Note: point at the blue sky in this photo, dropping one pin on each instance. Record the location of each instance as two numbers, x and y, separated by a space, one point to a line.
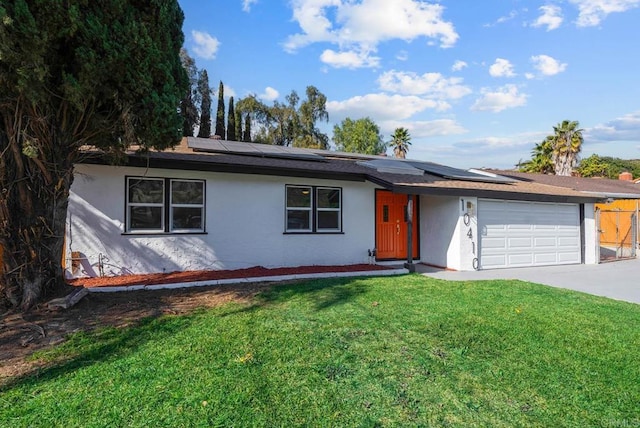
477 84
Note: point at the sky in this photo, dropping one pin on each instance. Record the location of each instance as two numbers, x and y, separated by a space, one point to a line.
476 83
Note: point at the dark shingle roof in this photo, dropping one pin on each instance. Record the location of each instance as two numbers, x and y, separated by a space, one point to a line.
603 186
342 166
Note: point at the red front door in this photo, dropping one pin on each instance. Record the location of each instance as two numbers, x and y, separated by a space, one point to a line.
391 225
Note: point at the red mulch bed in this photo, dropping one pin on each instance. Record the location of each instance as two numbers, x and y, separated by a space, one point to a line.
209 275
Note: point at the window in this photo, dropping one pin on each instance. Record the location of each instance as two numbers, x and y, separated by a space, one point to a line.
313 209
160 205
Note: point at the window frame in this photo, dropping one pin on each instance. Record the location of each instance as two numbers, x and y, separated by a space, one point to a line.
167 205
313 209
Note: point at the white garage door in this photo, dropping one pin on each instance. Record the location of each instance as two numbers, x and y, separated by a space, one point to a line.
514 234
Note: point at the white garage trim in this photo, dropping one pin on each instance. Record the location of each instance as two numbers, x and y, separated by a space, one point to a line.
518 234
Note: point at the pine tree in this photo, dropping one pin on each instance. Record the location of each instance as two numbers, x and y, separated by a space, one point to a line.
231 122
220 114
205 106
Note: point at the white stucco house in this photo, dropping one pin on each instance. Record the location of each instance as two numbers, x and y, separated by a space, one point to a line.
214 204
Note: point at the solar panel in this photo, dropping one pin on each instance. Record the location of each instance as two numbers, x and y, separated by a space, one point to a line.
252 149
458 174
392 166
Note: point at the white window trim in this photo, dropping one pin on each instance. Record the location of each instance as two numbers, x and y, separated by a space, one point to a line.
166 207
338 210
172 205
313 210
141 204
309 209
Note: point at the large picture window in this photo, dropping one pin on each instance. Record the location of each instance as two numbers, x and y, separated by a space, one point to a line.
159 205
313 209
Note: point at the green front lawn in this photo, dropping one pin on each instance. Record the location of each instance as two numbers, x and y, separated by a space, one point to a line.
393 351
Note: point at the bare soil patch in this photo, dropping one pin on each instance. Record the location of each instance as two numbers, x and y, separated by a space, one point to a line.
21 334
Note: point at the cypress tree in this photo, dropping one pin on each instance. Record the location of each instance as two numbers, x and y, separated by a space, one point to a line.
205 106
246 134
238 126
220 114
231 122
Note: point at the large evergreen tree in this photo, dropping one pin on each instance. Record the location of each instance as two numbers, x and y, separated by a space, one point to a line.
205 106
72 74
220 113
231 122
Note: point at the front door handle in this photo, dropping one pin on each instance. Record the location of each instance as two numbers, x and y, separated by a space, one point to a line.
398 228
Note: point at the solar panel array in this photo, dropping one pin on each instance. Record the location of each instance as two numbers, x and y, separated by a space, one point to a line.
252 149
380 163
458 174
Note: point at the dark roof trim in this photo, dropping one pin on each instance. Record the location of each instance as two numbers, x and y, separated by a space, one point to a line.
191 165
494 194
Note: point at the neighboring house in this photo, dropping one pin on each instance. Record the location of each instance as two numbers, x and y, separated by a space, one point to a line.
616 216
215 204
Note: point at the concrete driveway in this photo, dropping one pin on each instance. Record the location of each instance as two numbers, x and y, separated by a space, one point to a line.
618 280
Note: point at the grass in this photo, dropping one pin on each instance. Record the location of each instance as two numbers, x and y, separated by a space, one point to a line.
401 351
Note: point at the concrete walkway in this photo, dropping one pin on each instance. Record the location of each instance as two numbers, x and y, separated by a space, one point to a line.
618 280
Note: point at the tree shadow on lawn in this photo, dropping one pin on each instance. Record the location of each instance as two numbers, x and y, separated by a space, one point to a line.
113 342
321 293
107 344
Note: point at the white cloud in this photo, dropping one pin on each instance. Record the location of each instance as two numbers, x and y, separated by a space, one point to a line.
625 128
551 17
501 68
402 56
206 46
425 128
592 12
501 99
529 76
246 4
547 66
429 84
503 19
381 107
349 59
362 25
269 94
459 65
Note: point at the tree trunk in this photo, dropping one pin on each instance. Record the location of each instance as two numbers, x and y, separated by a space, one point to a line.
36 174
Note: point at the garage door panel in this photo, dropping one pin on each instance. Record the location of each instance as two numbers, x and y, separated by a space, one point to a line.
520 243
546 242
568 242
495 260
520 259
494 243
546 258
522 234
569 257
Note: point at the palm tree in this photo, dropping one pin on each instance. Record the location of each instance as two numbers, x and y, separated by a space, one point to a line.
541 159
567 144
400 142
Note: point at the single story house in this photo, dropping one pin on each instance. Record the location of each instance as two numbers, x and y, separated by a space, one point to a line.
616 217
215 204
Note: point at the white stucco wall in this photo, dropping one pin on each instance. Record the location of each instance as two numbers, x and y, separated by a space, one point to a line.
245 221
439 231
590 235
